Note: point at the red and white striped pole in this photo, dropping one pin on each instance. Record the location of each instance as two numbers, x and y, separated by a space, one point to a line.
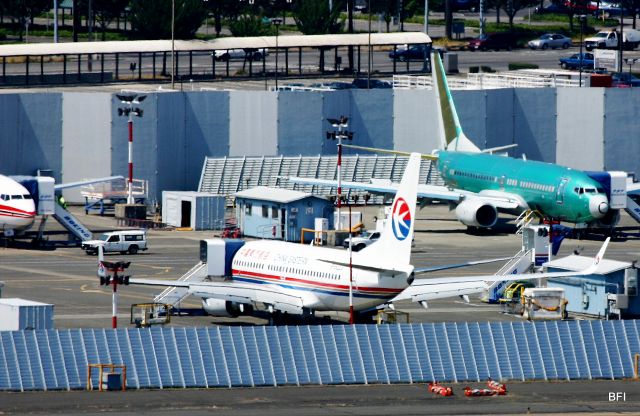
130 182
339 226
114 301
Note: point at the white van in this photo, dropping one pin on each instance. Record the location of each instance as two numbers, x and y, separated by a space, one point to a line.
123 241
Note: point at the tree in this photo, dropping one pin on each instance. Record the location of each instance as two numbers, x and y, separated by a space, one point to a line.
386 8
314 18
106 11
249 25
151 19
23 11
511 7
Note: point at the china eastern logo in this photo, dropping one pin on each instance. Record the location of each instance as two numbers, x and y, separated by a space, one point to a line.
401 219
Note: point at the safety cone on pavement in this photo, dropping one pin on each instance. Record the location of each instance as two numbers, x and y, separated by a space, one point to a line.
438 389
498 387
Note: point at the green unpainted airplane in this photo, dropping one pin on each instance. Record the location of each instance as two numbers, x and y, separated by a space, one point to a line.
481 183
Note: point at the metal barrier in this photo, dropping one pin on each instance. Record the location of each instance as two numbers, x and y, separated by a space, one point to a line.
480 81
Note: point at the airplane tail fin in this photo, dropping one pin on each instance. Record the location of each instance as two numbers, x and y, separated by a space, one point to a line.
393 248
451 135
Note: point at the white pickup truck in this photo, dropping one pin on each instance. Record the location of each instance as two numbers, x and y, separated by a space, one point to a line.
360 242
608 39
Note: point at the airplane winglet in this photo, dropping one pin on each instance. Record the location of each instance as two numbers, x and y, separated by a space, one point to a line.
596 260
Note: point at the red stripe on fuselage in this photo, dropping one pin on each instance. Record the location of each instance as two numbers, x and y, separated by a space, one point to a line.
313 283
17 210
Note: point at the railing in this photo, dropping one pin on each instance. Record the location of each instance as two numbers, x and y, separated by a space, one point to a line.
515 79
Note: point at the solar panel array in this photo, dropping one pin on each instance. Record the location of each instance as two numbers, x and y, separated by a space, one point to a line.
298 355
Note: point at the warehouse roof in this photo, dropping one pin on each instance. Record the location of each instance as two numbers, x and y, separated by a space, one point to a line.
577 263
147 46
283 196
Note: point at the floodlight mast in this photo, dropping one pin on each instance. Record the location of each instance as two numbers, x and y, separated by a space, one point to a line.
340 124
129 100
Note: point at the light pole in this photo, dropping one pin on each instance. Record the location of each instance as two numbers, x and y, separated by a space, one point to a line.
582 19
55 21
339 124
129 111
173 42
369 49
276 22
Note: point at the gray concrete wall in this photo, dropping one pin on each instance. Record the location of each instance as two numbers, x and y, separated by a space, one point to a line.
31 133
80 134
580 127
253 123
86 138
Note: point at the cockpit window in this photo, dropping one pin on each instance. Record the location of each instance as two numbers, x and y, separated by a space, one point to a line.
590 190
16 196
5 197
579 191
27 196
601 190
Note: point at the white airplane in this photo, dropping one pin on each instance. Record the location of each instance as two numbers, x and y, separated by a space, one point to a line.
17 208
299 279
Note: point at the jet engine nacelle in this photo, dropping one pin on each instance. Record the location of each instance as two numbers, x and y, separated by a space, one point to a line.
476 213
225 308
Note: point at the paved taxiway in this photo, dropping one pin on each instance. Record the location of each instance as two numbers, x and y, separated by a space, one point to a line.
67 278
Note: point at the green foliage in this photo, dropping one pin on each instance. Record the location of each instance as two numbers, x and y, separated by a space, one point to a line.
563 18
3 34
151 19
514 66
249 25
313 17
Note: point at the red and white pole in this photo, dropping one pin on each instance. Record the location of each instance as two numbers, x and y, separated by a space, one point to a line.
114 302
130 182
351 317
339 226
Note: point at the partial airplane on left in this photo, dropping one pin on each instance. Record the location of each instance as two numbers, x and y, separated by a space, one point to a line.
17 207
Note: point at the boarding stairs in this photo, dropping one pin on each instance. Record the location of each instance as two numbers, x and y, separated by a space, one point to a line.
520 263
633 208
174 295
525 218
72 224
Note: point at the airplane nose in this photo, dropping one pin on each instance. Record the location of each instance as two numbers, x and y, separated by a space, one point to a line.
598 206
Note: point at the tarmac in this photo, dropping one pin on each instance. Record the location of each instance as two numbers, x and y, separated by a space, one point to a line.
66 277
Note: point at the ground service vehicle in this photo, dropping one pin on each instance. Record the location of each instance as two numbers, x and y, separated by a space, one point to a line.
363 240
130 241
575 61
608 39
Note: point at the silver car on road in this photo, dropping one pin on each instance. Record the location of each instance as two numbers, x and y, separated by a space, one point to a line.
550 40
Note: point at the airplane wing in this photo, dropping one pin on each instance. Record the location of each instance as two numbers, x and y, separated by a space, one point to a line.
62 186
426 289
234 292
381 186
458 265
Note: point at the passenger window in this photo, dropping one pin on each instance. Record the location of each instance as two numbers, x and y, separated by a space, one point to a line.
113 239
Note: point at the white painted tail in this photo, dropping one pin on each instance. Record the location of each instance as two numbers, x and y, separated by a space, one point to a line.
393 248
451 135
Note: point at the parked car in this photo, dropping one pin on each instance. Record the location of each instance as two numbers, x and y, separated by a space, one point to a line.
413 52
624 79
497 41
575 61
365 239
550 40
373 83
118 241
249 54
334 85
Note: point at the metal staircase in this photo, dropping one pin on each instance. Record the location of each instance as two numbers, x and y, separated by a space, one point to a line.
174 295
520 263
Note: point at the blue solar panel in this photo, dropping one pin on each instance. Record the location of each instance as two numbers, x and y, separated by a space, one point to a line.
241 356
368 362
209 369
298 351
287 355
586 332
434 352
457 358
344 355
545 352
615 348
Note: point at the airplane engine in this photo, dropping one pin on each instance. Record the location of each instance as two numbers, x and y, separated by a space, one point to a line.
225 308
476 213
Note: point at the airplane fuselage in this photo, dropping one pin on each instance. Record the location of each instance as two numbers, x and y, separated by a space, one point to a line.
555 191
17 208
311 273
